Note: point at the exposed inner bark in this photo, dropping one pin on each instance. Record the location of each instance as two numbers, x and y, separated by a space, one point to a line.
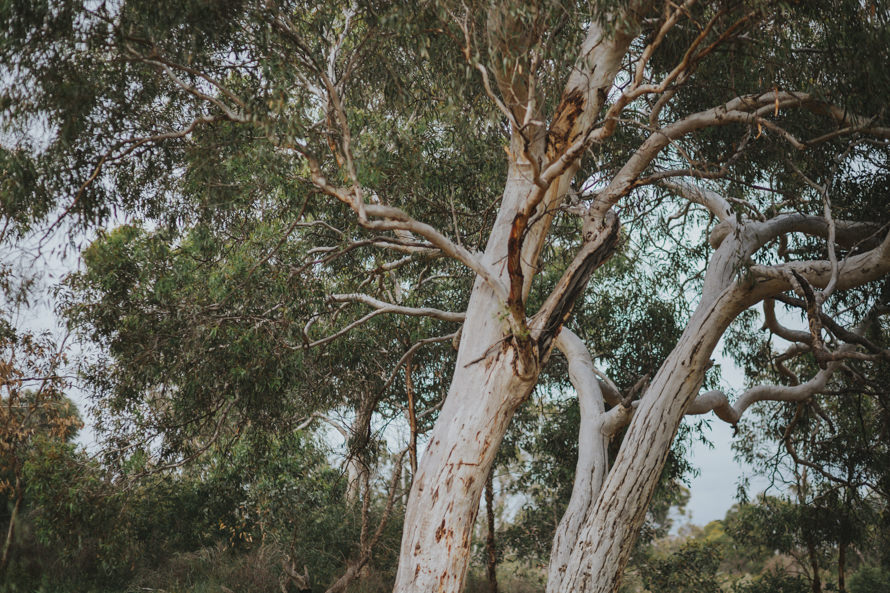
558 307
491 564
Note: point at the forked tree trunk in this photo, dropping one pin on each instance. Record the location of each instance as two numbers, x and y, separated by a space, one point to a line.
604 543
490 380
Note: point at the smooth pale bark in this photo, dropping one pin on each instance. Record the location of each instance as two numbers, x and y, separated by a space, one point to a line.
582 100
487 387
605 541
445 495
493 374
592 465
604 544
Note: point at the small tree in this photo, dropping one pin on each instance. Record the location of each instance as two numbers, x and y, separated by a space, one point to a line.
32 408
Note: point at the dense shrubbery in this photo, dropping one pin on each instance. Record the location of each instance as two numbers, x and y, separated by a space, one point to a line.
232 519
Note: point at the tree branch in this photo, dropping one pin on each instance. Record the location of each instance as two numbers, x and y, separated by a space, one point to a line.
714 202
384 307
599 244
857 269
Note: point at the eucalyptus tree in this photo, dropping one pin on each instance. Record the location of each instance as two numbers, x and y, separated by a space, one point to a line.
485 146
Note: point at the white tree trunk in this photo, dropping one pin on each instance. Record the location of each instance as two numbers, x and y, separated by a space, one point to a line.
605 542
491 379
485 391
592 465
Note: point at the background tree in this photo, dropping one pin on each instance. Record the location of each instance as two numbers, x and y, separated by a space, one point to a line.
32 409
831 453
273 503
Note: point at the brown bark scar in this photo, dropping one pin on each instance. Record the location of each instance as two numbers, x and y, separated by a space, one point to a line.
570 108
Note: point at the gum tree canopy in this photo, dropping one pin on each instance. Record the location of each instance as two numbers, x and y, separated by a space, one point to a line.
471 166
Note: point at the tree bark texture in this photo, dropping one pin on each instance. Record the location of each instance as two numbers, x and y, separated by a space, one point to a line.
814 565
842 567
488 385
501 350
490 545
605 540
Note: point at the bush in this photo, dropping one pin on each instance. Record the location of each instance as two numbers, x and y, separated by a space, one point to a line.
869 579
773 582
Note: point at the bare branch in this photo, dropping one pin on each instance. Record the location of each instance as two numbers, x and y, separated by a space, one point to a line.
749 110
772 324
581 365
398 219
714 202
385 307
847 234
717 401
410 352
833 326
857 270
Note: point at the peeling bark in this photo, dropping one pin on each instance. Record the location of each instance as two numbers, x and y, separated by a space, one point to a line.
488 385
490 546
496 371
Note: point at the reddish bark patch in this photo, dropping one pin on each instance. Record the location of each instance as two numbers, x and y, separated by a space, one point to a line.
570 108
514 265
440 531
